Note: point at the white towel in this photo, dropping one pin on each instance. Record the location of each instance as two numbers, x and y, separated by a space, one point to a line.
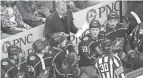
42 61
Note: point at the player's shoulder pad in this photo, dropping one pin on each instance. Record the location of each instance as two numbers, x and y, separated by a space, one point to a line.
6 65
5 62
86 37
87 43
69 43
32 56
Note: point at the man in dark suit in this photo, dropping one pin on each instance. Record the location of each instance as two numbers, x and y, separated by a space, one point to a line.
60 21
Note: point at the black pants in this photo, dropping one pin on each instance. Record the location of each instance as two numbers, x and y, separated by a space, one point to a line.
33 23
10 31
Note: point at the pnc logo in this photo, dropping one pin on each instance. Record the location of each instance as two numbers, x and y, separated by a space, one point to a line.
91 14
5 46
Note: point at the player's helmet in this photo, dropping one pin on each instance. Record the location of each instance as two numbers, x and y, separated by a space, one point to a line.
57 38
13 50
39 45
107 45
113 15
94 24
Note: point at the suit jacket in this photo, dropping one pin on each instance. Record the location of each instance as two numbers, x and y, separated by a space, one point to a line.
54 24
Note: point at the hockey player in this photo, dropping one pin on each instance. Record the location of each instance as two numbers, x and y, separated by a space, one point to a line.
39 62
88 48
116 32
137 44
95 33
113 28
64 57
136 37
15 65
108 65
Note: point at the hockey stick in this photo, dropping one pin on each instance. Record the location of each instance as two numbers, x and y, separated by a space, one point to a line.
136 29
136 17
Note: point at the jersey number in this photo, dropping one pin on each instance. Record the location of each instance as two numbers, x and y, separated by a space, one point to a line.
104 67
84 49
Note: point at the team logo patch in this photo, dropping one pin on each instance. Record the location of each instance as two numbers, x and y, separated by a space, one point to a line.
97 48
5 63
85 38
32 58
91 14
50 52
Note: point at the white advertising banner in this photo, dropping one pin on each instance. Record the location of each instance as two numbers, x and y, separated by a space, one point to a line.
23 40
98 12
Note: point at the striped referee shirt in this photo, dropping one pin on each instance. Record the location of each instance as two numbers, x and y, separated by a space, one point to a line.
109 66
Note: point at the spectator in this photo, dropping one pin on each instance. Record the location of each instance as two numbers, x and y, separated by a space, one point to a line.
80 4
11 20
27 14
71 6
60 21
85 4
47 3
42 8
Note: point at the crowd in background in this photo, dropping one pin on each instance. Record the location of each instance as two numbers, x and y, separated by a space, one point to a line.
112 49
19 16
